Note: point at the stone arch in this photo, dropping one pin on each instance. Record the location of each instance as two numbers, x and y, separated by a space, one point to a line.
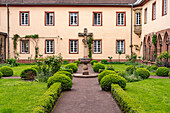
166 42
144 48
149 44
159 44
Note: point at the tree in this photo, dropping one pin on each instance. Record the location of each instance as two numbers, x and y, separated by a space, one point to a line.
119 52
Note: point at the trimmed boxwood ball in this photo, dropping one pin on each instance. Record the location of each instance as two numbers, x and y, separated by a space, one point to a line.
36 68
28 73
98 66
6 71
93 61
66 73
68 70
1 74
72 66
66 82
112 79
143 73
162 71
130 69
104 73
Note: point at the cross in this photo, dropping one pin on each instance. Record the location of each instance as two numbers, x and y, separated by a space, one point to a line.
85 40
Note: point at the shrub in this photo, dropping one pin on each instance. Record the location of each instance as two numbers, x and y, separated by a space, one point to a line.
12 62
93 61
98 66
1 74
104 61
6 71
78 62
143 73
127 104
169 74
130 69
46 102
28 73
104 73
66 73
122 74
153 67
162 71
36 68
101 70
68 70
66 62
109 67
66 82
112 79
72 66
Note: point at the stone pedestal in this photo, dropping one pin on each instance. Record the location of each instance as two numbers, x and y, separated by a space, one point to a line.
85 61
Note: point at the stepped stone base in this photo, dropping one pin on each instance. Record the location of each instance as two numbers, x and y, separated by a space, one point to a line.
85 76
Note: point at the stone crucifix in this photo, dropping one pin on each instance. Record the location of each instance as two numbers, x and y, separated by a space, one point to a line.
85 40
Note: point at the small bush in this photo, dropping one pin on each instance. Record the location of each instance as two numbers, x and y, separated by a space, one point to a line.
153 67
169 74
143 73
98 66
72 66
77 62
127 104
112 79
110 67
93 61
36 68
66 82
130 69
28 73
68 70
6 71
66 62
122 73
12 62
101 70
46 102
162 71
1 74
66 73
104 73
104 61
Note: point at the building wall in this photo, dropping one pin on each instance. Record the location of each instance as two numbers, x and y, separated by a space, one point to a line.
108 32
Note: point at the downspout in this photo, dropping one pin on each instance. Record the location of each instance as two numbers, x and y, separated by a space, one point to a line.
8 26
131 32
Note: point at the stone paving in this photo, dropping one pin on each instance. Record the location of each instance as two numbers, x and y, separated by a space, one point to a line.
86 96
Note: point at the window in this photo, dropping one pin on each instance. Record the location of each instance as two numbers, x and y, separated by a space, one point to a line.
24 46
97 18
137 18
164 7
49 18
73 46
146 13
97 46
121 19
73 19
120 46
154 11
24 18
49 46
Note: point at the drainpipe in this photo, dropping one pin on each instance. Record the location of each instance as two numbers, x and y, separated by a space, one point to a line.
8 27
131 31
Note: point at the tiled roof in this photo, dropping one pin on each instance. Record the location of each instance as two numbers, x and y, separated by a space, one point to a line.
68 1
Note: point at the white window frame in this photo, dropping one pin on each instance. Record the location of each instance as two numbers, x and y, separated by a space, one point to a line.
98 19
138 19
73 46
154 11
50 19
23 46
24 18
49 46
97 46
121 19
164 7
73 19
120 46
146 14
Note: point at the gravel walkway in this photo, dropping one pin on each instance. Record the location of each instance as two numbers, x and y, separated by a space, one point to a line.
86 96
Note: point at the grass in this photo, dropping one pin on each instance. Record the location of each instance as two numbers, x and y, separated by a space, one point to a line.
118 67
18 96
17 70
152 94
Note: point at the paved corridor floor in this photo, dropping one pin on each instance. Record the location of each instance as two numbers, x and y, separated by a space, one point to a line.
86 96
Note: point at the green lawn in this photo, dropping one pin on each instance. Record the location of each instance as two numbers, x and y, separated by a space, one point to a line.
118 67
17 70
152 94
18 96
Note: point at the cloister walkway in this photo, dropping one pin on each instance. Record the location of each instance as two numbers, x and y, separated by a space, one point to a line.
86 96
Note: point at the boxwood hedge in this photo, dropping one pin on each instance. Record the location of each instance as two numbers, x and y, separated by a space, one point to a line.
104 73
6 71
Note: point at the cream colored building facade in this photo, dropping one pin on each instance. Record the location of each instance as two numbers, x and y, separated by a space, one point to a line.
61 35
